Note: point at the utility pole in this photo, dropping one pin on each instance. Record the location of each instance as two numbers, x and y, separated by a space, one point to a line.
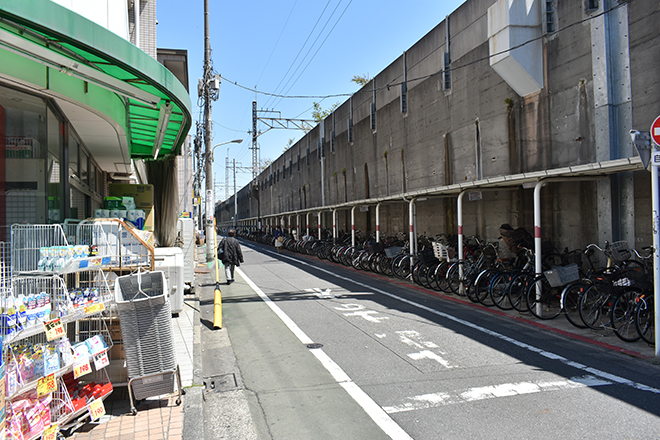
208 89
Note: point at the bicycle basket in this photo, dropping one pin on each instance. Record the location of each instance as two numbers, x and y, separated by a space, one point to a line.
620 251
440 251
393 251
427 257
562 275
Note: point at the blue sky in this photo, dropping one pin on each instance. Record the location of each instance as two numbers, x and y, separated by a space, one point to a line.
288 47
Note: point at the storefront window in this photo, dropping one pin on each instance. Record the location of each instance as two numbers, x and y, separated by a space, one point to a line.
74 172
84 161
23 158
53 171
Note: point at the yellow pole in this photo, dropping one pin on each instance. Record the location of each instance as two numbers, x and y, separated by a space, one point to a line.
217 300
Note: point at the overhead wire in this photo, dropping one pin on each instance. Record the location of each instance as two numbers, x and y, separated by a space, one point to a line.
424 77
310 49
277 42
301 48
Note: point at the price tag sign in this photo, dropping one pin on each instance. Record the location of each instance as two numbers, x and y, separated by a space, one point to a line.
46 385
101 360
96 409
54 329
51 432
81 369
96 308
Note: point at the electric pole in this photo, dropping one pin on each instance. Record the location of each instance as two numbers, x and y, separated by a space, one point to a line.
208 90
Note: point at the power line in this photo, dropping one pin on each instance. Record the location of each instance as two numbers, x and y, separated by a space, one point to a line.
310 49
278 40
301 48
452 69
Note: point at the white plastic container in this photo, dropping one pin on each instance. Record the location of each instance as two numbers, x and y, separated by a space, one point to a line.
170 261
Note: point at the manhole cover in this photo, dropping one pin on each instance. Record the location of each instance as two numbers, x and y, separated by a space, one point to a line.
224 382
314 345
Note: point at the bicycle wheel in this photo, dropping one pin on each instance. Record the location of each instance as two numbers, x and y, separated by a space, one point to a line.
622 316
385 266
453 277
498 290
518 289
543 300
430 276
440 276
401 266
594 308
645 319
570 302
422 276
481 289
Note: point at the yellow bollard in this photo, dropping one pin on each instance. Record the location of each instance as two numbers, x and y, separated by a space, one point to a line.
217 300
217 307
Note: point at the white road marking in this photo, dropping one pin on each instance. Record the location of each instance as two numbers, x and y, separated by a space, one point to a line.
434 400
321 293
380 417
409 337
428 354
523 345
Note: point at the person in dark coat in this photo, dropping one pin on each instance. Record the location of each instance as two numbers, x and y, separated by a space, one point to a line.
231 255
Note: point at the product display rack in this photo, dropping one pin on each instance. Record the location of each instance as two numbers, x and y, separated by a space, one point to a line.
45 279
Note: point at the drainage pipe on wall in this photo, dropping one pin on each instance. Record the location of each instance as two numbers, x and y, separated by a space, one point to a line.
319 217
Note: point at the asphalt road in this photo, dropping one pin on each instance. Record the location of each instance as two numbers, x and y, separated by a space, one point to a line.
326 352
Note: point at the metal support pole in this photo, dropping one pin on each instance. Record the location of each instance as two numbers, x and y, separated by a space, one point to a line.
655 194
353 226
307 222
411 233
538 268
320 216
334 226
378 223
235 197
459 208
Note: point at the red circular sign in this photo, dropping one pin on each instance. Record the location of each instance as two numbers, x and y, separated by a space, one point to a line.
655 131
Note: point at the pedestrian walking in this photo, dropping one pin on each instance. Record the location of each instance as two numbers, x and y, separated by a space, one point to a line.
230 254
279 239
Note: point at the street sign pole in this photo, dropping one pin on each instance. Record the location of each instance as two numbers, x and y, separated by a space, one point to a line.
655 194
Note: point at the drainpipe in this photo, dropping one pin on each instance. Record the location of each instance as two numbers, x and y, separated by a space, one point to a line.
353 226
319 217
378 223
298 225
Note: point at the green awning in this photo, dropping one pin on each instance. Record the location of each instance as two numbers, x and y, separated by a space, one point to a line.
157 104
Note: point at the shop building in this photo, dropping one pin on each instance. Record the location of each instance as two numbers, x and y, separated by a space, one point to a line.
83 103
